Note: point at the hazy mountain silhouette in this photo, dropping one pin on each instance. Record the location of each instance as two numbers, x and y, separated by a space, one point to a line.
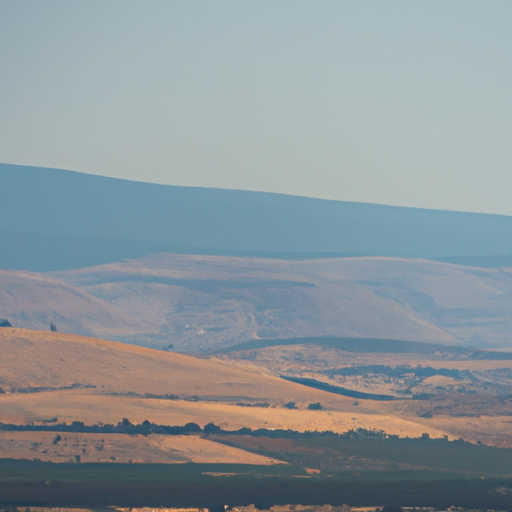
55 219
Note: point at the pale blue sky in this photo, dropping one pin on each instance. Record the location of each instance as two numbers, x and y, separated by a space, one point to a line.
395 102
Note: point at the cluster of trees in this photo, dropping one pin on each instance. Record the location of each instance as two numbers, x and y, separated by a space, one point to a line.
76 385
399 371
123 427
146 427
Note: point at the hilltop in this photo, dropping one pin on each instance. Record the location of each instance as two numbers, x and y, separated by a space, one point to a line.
57 219
47 361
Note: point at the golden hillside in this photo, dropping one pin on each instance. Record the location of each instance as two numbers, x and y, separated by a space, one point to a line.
41 373
43 359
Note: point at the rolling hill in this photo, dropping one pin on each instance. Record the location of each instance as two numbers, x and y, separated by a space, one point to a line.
48 377
56 219
36 361
34 300
202 303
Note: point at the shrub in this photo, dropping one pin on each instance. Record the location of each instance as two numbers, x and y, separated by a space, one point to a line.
211 428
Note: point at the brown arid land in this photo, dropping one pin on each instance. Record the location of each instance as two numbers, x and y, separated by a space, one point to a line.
84 447
443 372
464 397
90 407
52 377
198 303
46 361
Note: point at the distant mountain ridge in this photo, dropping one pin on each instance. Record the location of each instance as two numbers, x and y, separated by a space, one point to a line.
55 219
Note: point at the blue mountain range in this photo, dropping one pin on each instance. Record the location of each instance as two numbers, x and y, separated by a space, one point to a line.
53 219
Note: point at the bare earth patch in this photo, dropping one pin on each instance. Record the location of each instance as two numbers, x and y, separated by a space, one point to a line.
80 447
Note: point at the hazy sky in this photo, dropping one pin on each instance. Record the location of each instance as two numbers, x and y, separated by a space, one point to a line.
395 102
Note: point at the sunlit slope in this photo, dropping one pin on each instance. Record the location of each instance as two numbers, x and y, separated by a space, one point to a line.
209 302
34 301
47 375
89 407
204 302
215 301
57 219
35 359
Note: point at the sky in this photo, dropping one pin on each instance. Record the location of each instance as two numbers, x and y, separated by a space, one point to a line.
399 102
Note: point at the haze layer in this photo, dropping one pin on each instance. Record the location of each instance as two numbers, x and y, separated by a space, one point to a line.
57 219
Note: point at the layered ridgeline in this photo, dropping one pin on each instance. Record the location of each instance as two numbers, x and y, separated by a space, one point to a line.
200 302
55 219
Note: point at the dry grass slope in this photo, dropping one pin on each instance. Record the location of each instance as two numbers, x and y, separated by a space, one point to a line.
42 359
122 448
212 389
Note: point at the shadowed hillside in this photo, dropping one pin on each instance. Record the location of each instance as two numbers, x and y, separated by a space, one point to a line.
205 301
199 303
56 219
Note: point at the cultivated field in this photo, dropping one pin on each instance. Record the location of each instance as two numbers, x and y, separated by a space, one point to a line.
83 447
